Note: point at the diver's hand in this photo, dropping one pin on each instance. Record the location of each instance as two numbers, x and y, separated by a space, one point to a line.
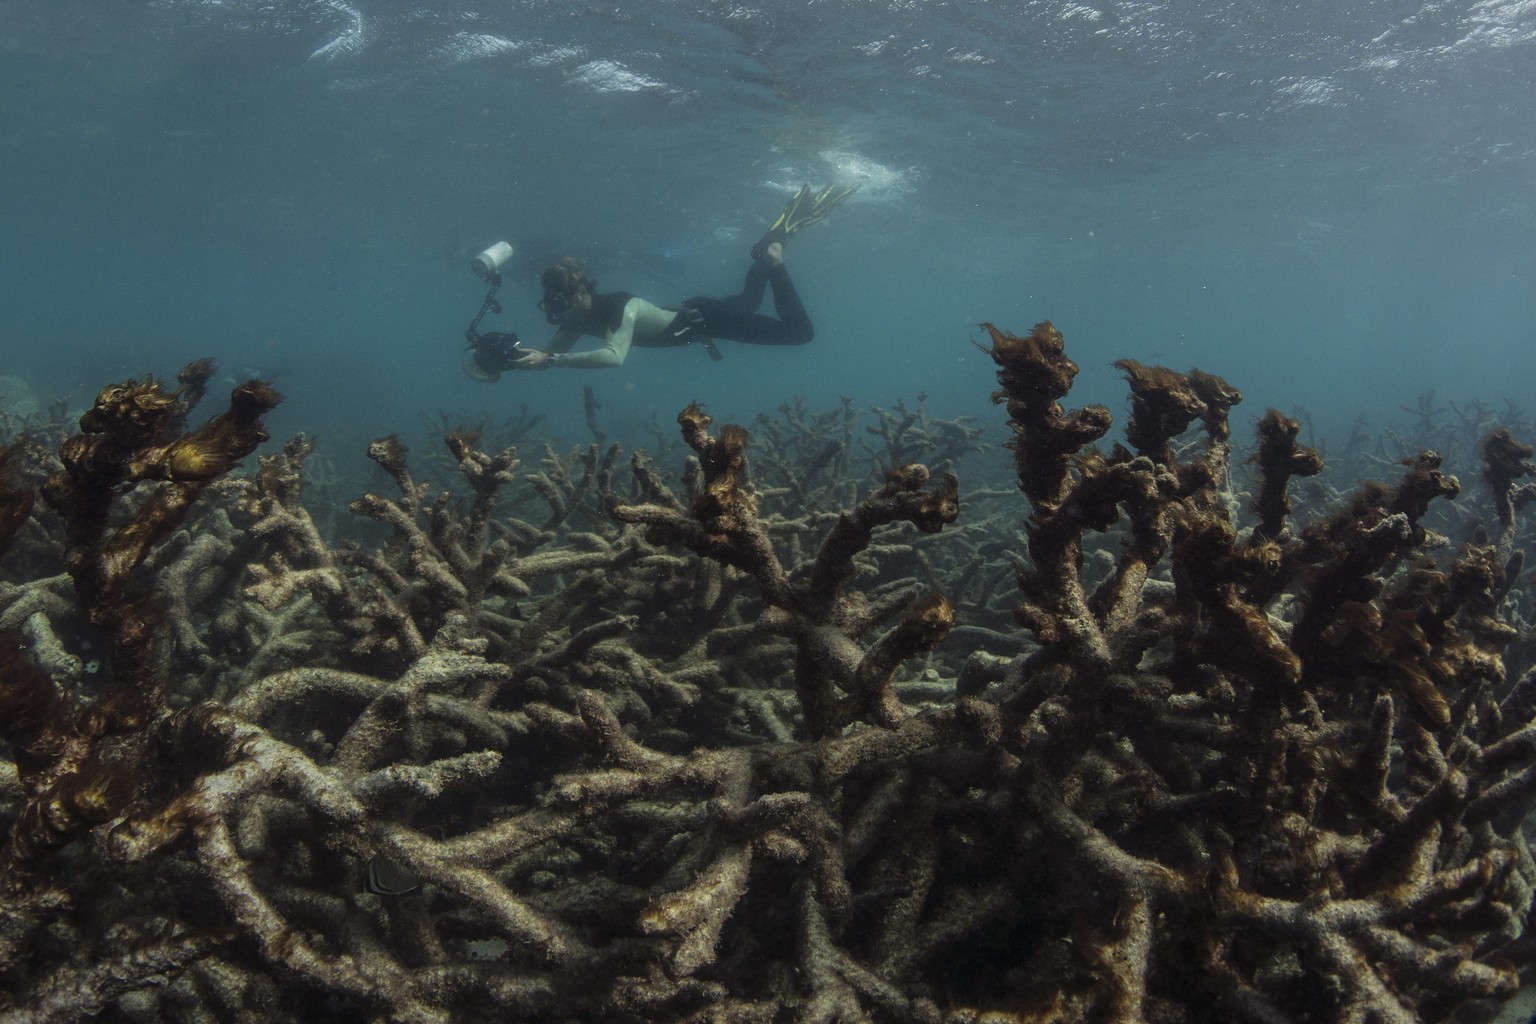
531 359
687 321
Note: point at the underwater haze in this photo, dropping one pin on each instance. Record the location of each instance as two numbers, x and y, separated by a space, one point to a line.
553 697
1331 205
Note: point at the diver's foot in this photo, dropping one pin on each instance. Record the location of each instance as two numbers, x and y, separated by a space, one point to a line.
773 255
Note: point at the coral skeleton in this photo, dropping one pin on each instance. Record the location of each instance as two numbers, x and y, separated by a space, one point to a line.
1165 739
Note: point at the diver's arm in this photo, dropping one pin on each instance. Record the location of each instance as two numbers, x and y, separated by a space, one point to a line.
613 351
639 318
563 340
543 359
557 354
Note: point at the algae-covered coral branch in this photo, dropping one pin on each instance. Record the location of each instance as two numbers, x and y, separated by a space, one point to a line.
124 441
15 497
72 780
838 682
82 762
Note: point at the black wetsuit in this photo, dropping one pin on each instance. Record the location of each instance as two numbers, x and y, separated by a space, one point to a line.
624 320
736 318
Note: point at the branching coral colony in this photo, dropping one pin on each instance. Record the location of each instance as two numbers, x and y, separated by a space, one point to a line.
589 750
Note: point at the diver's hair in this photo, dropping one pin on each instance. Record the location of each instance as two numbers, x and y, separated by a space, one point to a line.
567 278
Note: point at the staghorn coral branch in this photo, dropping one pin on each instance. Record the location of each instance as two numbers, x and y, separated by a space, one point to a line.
76 993
282 945
394 782
1400 859
837 683
75 778
1279 459
15 497
902 499
261 762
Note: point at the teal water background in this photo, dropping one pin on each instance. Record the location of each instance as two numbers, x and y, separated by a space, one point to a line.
1332 205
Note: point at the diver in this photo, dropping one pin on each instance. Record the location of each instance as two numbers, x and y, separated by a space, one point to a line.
573 305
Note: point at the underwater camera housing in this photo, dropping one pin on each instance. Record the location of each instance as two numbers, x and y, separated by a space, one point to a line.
489 263
489 355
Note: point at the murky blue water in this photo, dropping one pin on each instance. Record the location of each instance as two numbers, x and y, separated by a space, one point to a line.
1332 205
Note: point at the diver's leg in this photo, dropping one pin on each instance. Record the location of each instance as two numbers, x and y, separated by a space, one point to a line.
736 318
786 302
752 289
726 319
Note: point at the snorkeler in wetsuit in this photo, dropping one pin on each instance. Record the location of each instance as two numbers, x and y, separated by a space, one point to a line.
572 304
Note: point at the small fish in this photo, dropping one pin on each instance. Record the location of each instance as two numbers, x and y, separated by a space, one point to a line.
389 878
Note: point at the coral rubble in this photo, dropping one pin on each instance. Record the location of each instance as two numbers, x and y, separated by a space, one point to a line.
767 742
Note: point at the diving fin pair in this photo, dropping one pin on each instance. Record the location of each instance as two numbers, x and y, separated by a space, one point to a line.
805 208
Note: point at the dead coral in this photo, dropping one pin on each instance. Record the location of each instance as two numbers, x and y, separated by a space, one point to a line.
656 765
1279 459
15 497
125 442
441 558
81 762
838 680
1254 795
1506 460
